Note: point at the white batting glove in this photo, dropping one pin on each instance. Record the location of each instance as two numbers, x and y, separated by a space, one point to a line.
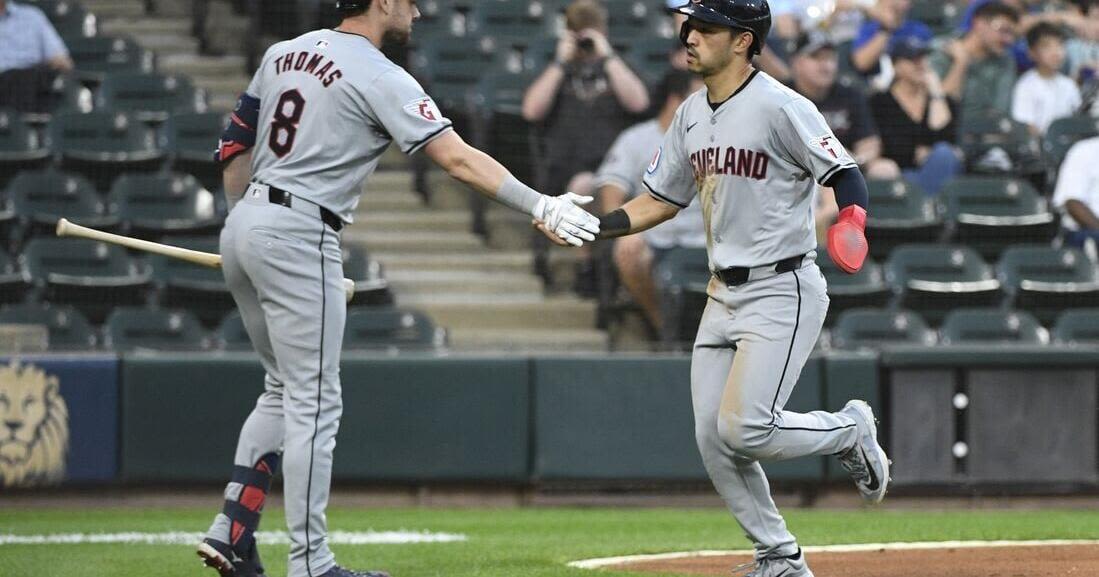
563 216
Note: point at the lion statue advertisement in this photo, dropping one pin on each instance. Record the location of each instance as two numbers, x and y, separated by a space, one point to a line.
34 427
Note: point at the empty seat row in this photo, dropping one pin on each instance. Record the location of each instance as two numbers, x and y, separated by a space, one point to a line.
159 329
874 328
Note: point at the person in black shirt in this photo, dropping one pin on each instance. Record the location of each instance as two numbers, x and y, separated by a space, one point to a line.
916 118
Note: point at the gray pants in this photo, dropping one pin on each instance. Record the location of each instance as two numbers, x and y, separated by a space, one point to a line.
285 271
752 343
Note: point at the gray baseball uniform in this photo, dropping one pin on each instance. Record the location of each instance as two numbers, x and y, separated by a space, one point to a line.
754 160
329 105
624 167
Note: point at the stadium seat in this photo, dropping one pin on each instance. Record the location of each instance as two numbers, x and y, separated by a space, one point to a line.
632 19
129 329
508 135
371 287
97 56
69 18
995 144
900 213
190 139
1062 134
1045 280
867 288
92 276
184 285
40 198
102 145
69 94
681 279
934 279
940 15
453 69
504 21
992 326
68 329
872 328
649 57
391 329
231 334
20 146
990 214
1077 326
153 204
149 97
14 280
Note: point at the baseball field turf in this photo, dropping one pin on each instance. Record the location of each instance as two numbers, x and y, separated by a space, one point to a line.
498 542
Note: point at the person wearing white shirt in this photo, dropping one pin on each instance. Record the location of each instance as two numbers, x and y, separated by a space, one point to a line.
1077 193
1043 94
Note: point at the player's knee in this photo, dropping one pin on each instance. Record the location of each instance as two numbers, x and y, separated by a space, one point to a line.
744 437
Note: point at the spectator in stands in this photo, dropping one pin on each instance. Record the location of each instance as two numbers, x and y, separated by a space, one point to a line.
1043 94
815 65
1077 193
582 100
31 54
977 69
1083 49
841 19
916 118
619 179
884 21
1031 13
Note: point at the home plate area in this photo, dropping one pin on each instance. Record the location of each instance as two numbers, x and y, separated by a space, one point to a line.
953 559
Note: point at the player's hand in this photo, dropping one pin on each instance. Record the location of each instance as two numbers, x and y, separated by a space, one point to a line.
601 46
847 239
541 226
564 216
566 47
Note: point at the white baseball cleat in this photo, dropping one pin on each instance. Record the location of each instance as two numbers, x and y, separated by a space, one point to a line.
866 461
792 566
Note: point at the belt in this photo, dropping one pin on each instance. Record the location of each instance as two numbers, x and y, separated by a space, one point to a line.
738 275
279 196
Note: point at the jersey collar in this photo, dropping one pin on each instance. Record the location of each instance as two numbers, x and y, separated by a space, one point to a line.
715 105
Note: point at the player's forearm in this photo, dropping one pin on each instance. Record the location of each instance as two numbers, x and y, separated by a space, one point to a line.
1082 214
628 88
235 177
539 98
637 215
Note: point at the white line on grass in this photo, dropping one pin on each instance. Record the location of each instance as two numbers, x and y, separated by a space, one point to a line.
264 537
857 548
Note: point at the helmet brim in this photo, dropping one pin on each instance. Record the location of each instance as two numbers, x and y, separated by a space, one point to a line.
705 14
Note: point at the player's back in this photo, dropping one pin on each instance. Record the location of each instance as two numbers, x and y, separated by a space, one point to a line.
320 131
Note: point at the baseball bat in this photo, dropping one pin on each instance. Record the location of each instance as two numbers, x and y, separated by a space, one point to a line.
66 228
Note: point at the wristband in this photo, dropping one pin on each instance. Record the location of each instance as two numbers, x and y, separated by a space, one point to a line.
614 224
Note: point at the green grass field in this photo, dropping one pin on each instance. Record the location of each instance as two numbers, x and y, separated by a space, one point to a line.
507 542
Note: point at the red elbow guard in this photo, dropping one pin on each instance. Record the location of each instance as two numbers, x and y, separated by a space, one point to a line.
847 239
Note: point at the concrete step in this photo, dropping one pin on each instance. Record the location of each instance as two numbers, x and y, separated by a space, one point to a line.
528 340
438 282
235 83
393 159
145 25
381 201
518 262
168 43
415 220
106 9
389 181
207 66
421 242
181 8
497 312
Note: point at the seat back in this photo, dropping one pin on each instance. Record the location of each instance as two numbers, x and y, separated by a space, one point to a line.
163 202
1042 264
168 270
870 277
68 328
1077 326
936 263
1065 132
1019 152
987 326
975 196
44 196
387 328
18 140
189 135
898 201
102 54
149 96
73 258
861 328
511 20
102 136
69 18
129 328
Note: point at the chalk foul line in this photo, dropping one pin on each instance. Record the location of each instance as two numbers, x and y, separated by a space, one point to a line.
264 537
856 548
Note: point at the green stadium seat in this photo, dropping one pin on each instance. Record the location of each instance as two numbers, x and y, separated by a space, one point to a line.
996 144
504 21
14 280
102 145
633 18
1077 326
69 94
993 213
866 288
20 146
1046 280
391 329
681 279
130 329
191 139
452 70
97 56
154 204
507 135
150 97
92 276
69 18
40 198
184 285
68 329
1062 134
935 279
992 326
371 287
900 213
231 334
872 328
941 16
649 57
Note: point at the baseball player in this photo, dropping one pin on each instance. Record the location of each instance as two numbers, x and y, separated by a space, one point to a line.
320 111
753 152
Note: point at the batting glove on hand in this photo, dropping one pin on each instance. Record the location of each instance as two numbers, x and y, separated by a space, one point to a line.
563 216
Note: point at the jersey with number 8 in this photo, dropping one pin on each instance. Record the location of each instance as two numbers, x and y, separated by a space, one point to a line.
330 104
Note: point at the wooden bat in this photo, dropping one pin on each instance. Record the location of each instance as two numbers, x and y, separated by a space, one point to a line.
66 228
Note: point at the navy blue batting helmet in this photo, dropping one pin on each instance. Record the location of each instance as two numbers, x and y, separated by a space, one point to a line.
749 15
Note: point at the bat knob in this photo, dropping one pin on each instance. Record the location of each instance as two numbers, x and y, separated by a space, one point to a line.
62 226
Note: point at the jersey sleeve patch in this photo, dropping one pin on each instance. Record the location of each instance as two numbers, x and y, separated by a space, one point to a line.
655 162
829 144
424 108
